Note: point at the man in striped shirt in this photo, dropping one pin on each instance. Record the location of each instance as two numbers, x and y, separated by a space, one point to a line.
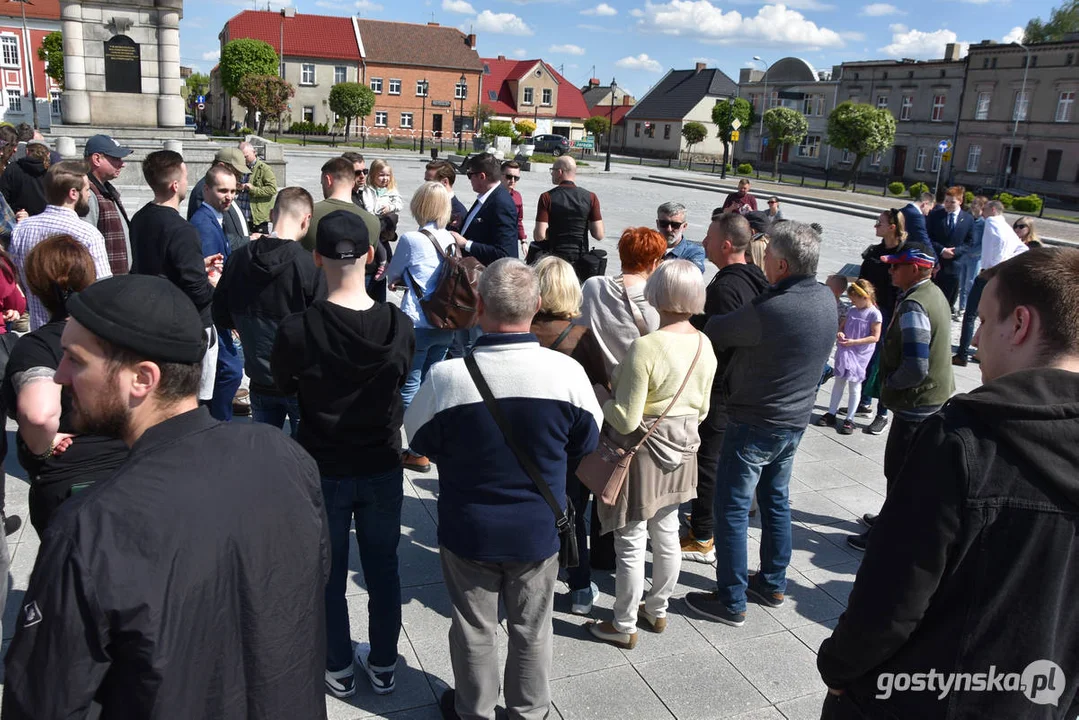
67 192
916 359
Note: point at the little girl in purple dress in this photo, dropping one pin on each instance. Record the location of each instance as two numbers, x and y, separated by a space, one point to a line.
854 349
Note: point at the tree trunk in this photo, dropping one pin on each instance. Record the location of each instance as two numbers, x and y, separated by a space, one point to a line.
775 164
262 124
853 172
348 126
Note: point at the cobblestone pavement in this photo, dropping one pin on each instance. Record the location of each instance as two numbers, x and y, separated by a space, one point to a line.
696 669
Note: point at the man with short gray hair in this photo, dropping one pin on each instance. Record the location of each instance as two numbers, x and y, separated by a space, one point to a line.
780 341
671 223
496 533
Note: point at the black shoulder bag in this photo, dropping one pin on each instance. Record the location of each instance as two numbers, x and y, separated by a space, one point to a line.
564 521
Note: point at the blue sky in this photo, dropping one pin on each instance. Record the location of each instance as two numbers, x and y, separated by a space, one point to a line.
636 41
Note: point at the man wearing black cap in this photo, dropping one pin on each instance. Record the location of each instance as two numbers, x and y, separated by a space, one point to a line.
166 591
347 357
106 160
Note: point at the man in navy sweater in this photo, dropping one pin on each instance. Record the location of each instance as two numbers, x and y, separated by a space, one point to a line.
494 528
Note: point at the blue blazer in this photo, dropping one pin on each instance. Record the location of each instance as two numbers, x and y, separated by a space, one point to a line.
493 231
961 237
210 232
914 222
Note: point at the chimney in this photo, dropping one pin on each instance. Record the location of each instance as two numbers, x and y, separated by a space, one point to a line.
288 11
626 100
593 82
701 66
951 51
470 40
432 24
501 57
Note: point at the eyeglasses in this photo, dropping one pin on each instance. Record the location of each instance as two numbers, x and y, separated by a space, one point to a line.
470 173
362 173
669 223
772 202
512 178
1020 227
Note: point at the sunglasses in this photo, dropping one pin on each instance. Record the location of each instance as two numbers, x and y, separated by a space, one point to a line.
772 202
1020 227
362 173
512 178
669 223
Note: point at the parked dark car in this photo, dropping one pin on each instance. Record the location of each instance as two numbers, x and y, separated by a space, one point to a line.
551 144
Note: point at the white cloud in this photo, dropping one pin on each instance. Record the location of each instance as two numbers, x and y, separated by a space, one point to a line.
501 23
1015 35
567 49
603 10
852 35
214 55
458 6
920 45
641 62
775 25
366 6
880 10
519 53
599 28
791 4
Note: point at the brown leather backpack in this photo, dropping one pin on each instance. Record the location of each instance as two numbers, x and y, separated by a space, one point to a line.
454 303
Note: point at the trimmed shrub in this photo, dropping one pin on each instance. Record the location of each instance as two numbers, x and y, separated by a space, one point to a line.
245 131
745 169
1006 199
917 189
1028 204
896 188
968 198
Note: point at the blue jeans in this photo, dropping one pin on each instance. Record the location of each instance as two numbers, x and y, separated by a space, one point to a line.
753 455
969 267
966 333
374 501
230 373
274 409
431 347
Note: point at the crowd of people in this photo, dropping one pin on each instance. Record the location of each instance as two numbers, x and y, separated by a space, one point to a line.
200 565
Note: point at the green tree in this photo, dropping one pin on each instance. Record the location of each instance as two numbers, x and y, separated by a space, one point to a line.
1062 20
693 132
351 100
527 127
51 52
785 127
195 85
599 125
860 129
243 57
267 95
723 115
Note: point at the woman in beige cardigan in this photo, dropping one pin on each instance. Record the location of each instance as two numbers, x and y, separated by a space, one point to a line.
664 472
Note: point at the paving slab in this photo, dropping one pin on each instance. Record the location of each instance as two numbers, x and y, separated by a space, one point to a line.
618 692
780 666
701 686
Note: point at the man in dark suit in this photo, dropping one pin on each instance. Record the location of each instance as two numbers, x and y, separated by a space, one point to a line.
489 231
914 217
951 230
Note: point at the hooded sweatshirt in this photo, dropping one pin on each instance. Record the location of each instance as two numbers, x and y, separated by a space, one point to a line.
972 562
263 283
348 367
23 185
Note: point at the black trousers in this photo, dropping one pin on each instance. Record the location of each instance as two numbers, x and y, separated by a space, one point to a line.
702 519
900 438
948 282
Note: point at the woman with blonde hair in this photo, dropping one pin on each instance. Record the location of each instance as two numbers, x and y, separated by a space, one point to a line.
662 386
1024 228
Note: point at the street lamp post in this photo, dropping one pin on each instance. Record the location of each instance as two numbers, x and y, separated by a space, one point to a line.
764 106
464 91
610 128
423 115
29 58
1015 125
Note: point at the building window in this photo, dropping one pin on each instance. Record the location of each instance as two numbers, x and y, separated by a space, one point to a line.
636 129
919 160
650 129
406 120
395 87
755 101
421 88
547 95
528 96
973 157
810 147
907 108
308 113
993 64
492 95
460 91
55 109
307 74
882 102
14 100
985 63
381 117
773 99
1019 108
982 111
938 108
376 85
875 159
11 49
935 165
1064 106
667 131
813 106
846 157
340 74
1068 58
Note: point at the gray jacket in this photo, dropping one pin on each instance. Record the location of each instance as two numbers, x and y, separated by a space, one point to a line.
781 342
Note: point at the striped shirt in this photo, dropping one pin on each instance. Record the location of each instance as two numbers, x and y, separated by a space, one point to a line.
916 332
55 220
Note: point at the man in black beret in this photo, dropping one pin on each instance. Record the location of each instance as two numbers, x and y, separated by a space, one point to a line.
171 589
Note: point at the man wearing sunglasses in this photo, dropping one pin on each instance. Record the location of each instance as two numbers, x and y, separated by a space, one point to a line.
671 223
362 193
511 177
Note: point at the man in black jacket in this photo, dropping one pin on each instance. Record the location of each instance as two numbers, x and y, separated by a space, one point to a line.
187 585
951 231
166 245
736 283
489 230
566 215
264 282
964 606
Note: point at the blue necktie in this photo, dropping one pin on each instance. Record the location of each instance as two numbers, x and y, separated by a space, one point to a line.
951 222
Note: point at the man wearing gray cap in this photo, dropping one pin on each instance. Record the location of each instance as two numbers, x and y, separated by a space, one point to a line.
105 159
164 592
232 222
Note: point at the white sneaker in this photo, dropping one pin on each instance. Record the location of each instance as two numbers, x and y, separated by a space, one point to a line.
381 678
341 683
581 600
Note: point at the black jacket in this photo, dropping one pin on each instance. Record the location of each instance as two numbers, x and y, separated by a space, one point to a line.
166 245
263 283
876 272
961 237
731 288
493 231
188 585
23 185
972 563
348 367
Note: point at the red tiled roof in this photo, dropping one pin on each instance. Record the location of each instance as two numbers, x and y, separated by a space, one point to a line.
312 36
605 111
570 101
41 9
413 44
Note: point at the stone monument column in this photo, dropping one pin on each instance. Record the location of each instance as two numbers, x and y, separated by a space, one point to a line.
170 106
75 105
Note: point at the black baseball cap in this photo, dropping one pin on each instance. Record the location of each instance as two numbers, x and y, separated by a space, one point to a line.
106 146
342 235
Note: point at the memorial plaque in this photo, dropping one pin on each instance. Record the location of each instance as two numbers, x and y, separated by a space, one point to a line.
123 69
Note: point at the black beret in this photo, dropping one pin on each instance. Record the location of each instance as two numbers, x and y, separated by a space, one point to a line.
145 314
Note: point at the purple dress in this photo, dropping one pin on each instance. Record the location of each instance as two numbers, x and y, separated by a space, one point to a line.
851 362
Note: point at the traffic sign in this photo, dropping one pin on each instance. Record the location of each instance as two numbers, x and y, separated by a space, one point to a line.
944 145
587 143
946 157
735 135
201 99
736 123
201 106
764 142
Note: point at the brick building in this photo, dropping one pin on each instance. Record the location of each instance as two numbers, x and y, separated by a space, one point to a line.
533 90
18 58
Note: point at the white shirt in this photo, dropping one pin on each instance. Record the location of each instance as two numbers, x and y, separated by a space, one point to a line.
476 208
999 242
